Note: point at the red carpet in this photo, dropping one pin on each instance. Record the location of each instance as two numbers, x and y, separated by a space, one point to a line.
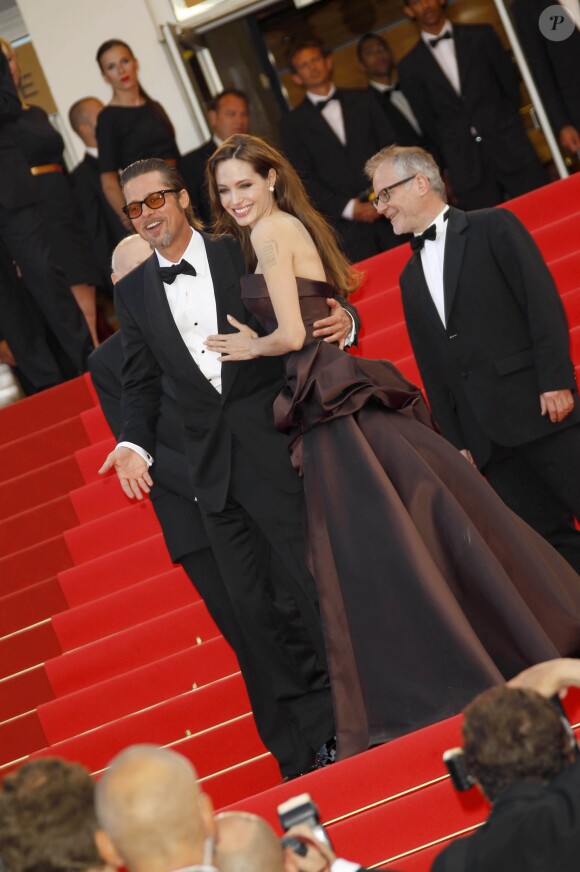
103 642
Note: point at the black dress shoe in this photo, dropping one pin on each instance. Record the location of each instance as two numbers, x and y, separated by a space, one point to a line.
325 755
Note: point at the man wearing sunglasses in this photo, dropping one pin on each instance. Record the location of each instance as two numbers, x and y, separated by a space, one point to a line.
490 336
238 463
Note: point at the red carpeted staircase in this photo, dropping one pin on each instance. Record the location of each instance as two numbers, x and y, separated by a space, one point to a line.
103 642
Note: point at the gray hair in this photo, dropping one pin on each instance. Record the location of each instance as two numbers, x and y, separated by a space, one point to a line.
407 161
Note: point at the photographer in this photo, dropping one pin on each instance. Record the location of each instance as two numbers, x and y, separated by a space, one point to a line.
522 755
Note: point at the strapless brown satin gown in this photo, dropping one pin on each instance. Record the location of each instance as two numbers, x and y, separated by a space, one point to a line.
430 588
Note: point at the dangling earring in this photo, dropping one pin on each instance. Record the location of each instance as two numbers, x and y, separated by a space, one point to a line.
271 189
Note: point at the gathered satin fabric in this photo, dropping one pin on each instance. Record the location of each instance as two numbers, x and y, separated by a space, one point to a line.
430 588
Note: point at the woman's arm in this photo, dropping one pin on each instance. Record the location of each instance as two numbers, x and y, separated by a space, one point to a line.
272 243
113 193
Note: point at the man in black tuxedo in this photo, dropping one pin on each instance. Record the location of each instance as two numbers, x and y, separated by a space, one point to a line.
555 69
377 63
229 113
328 138
464 90
103 226
238 462
490 337
22 232
522 756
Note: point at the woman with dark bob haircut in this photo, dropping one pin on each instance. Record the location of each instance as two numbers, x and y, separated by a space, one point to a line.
430 588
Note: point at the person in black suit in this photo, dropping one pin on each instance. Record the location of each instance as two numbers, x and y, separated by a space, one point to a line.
327 139
239 464
176 507
104 228
464 90
490 336
523 757
229 113
23 234
555 69
376 61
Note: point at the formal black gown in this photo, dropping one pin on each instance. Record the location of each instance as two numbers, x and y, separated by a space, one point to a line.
41 144
129 133
430 588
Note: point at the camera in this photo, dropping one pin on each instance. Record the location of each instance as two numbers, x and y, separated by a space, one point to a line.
454 760
301 810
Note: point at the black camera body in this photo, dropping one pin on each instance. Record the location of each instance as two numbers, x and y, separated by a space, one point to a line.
301 810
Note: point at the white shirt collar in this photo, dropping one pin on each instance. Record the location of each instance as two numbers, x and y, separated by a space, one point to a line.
316 98
427 37
439 221
380 86
194 254
92 150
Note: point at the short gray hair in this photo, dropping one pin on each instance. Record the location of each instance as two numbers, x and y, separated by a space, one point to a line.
407 161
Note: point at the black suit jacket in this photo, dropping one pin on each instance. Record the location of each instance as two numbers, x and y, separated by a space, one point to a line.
17 188
104 228
153 346
554 65
192 167
489 102
506 339
172 495
333 173
532 826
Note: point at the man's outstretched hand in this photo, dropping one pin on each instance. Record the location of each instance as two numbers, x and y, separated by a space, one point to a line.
131 469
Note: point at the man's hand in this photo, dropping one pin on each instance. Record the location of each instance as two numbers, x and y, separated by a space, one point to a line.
569 138
132 471
233 346
557 404
337 327
6 355
468 456
549 678
365 212
319 857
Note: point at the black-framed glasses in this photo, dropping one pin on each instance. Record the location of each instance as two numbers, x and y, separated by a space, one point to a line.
385 195
153 201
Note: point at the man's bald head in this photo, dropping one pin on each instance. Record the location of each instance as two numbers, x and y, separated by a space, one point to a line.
152 813
129 253
246 843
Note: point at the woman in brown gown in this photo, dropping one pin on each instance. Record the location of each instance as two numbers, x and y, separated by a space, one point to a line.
430 588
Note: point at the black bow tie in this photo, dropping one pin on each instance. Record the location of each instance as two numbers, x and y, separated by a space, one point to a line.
417 242
321 104
437 40
169 273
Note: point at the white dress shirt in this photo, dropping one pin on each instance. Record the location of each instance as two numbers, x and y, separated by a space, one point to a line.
573 7
444 54
332 114
192 303
432 259
399 101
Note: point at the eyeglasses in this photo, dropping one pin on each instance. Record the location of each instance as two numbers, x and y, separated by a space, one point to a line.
153 201
385 195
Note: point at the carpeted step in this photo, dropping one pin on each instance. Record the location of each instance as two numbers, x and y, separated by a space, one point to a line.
380 310
20 736
95 424
34 564
125 608
130 648
98 498
28 648
30 605
162 724
138 689
94 539
571 303
36 524
91 459
547 204
558 238
45 409
565 271
392 343
24 492
23 692
236 783
44 446
115 571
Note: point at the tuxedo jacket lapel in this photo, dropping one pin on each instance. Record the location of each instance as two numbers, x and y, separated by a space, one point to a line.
319 126
425 304
463 55
428 62
455 243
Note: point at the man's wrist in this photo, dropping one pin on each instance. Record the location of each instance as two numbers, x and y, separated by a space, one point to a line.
140 451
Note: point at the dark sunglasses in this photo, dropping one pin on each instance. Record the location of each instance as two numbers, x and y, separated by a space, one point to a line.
385 195
153 201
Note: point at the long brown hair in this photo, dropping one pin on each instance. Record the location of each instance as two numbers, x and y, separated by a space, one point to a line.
157 107
290 197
